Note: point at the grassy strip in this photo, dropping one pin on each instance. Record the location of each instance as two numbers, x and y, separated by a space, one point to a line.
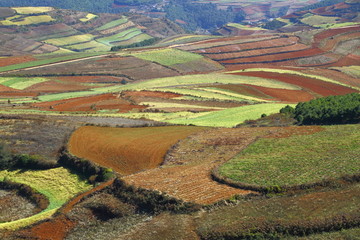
154 105
57 184
230 117
111 24
297 160
124 35
47 61
20 83
74 39
167 56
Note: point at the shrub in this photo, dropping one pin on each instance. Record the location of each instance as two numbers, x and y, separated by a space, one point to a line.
6 159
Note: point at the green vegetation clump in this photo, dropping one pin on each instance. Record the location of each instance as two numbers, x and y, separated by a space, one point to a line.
342 109
298 160
274 24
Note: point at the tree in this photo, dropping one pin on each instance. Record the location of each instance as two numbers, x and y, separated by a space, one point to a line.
6 159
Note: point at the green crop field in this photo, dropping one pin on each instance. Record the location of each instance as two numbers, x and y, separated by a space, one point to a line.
231 117
168 56
112 24
58 185
134 39
20 20
296 160
244 27
50 58
32 10
91 46
20 83
70 40
122 36
315 20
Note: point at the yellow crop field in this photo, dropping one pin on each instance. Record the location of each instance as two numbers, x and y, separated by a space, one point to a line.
20 20
88 17
32 10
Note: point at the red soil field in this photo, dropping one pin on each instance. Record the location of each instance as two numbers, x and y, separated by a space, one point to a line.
53 86
253 53
103 101
348 60
243 46
331 43
14 60
151 94
7 89
285 95
339 76
127 150
332 32
275 57
187 174
89 79
319 87
243 89
18 94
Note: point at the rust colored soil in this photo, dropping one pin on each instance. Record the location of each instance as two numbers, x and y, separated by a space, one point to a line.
186 173
276 57
7 89
348 60
89 79
151 94
331 43
332 32
15 60
53 86
286 95
127 150
317 86
18 94
103 101
243 89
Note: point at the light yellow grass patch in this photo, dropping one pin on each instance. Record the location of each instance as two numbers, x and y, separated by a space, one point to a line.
19 20
32 10
88 17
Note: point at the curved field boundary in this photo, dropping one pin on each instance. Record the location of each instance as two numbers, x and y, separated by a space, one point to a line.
330 44
113 24
126 150
249 46
258 52
271 58
306 75
207 44
332 32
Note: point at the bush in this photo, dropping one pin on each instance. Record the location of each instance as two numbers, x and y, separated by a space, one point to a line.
6 158
344 109
33 162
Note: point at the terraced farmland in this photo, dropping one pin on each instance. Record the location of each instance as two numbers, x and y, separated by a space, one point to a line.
127 150
58 185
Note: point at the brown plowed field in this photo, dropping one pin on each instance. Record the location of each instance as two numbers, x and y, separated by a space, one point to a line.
339 76
275 57
319 87
285 95
348 60
332 32
243 89
151 94
18 94
127 150
92 103
54 86
15 60
6 89
90 79
244 46
331 43
186 173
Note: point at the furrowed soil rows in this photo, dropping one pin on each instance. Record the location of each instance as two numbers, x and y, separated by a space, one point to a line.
127 150
317 86
15 60
186 172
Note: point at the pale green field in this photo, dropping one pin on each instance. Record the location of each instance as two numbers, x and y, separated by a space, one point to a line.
112 24
88 17
231 93
124 35
316 20
167 56
337 25
70 40
32 10
19 20
91 46
135 39
230 117
57 184
20 82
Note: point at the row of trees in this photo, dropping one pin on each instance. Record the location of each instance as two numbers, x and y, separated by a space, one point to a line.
344 109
